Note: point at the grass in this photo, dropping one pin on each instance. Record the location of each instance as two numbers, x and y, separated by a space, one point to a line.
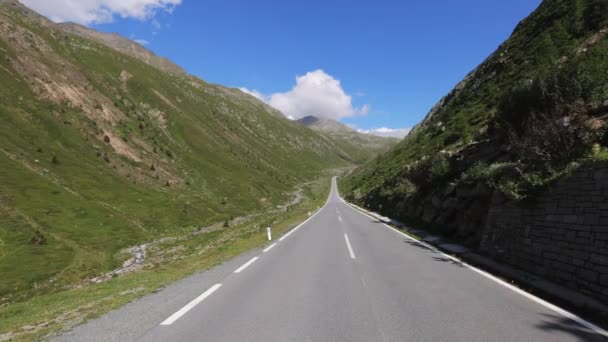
46 314
70 203
545 43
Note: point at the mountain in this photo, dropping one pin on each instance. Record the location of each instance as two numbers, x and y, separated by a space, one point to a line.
104 146
124 45
325 125
361 146
531 113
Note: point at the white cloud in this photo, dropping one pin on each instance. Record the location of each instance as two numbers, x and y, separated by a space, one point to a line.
319 94
316 93
155 24
141 41
363 110
100 11
386 132
254 93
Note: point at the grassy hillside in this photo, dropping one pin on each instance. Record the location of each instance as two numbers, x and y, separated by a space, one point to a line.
359 146
101 151
529 114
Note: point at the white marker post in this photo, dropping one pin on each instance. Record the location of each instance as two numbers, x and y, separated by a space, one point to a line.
269 233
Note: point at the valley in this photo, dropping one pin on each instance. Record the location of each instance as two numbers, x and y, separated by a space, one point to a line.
131 190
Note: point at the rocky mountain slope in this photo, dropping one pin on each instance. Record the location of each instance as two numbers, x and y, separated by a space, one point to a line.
532 113
104 145
124 45
358 145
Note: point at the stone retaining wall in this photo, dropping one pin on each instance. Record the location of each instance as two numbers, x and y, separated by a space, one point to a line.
561 235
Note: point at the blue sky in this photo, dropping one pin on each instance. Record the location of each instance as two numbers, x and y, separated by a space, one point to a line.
395 59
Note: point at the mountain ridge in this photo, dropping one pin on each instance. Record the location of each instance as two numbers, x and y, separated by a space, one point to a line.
322 124
112 40
124 45
501 127
102 150
346 138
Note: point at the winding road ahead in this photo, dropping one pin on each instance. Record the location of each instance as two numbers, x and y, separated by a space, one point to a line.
340 276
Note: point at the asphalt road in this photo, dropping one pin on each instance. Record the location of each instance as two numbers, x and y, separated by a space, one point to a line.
340 276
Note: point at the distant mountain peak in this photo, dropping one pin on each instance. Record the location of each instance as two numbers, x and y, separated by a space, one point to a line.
345 136
324 124
308 120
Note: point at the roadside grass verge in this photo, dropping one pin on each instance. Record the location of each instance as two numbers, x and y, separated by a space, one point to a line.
45 315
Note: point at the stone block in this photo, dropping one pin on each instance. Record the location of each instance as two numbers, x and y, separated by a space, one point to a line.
578 262
588 275
599 259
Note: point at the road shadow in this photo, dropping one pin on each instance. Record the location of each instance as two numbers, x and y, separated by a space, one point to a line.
437 255
560 325
448 260
419 245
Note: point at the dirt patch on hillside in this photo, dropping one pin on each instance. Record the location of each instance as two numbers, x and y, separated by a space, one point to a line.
164 99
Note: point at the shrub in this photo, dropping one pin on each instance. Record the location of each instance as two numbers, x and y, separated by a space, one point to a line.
602 134
439 166
513 179
478 172
429 170
549 143
38 238
546 119
451 138
596 14
549 95
508 178
599 153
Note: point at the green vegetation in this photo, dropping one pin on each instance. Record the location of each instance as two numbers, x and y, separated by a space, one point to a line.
189 251
101 152
355 146
528 115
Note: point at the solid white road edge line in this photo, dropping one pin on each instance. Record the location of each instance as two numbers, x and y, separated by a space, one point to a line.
245 265
171 319
530 296
303 223
269 247
190 305
315 214
350 249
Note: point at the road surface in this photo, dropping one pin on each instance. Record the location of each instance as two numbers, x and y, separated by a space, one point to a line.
340 276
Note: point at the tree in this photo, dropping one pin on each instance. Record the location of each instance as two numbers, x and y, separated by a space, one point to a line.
595 14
